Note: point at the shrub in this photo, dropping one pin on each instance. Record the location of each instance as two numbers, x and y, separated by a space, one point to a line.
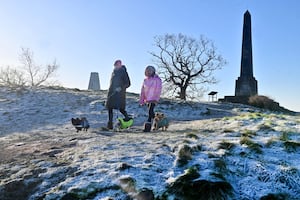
264 102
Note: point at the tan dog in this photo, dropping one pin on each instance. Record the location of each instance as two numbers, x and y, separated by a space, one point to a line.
160 121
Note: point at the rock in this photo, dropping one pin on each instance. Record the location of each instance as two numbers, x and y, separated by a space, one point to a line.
127 184
19 189
145 194
124 166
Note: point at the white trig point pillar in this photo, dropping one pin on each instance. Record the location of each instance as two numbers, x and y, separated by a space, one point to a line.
94 83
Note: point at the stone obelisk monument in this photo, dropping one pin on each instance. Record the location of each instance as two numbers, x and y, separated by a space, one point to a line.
94 83
246 84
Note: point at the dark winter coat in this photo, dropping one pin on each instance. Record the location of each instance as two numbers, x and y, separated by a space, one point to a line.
115 99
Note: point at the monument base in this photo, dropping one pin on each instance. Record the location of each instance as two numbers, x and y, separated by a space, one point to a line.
236 99
246 86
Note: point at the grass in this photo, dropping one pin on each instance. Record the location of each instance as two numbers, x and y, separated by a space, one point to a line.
212 155
226 118
228 131
184 154
208 131
274 196
266 126
255 147
188 187
248 133
218 175
192 136
220 164
284 136
270 142
226 145
291 146
256 115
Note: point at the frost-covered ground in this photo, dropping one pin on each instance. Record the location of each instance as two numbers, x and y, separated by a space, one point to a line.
210 151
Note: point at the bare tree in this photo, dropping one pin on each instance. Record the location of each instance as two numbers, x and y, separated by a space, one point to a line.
12 77
37 75
29 73
186 64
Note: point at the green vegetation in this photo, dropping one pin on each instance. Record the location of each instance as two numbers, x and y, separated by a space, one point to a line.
220 164
186 187
278 196
218 175
89 192
192 136
270 142
228 131
226 145
265 127
248 133
251 145
284 136
184 155
291 146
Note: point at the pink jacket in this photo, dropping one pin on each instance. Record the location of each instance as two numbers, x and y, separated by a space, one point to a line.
151 89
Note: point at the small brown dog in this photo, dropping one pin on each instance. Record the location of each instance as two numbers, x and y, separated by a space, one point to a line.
160 121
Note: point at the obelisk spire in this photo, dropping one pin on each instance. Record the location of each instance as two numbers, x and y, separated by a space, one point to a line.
246 61
246 84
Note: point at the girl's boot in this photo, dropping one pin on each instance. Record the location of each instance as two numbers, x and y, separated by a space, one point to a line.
147 127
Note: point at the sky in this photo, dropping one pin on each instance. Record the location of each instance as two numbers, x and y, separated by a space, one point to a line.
87 36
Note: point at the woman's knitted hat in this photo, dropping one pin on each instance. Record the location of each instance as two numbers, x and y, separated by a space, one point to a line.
117 61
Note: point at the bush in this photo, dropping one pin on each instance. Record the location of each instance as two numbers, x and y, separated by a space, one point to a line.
264 102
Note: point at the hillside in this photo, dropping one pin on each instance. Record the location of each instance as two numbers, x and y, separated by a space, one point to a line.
210 151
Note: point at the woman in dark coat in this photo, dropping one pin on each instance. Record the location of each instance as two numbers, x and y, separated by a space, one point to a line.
116 98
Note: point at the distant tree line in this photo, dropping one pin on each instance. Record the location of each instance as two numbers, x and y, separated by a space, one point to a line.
28 73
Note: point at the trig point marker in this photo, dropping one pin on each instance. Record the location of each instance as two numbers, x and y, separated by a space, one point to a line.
94 83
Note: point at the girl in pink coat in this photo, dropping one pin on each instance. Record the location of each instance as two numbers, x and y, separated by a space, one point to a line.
150 94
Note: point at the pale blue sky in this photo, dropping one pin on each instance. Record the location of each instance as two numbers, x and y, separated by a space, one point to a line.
88 35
